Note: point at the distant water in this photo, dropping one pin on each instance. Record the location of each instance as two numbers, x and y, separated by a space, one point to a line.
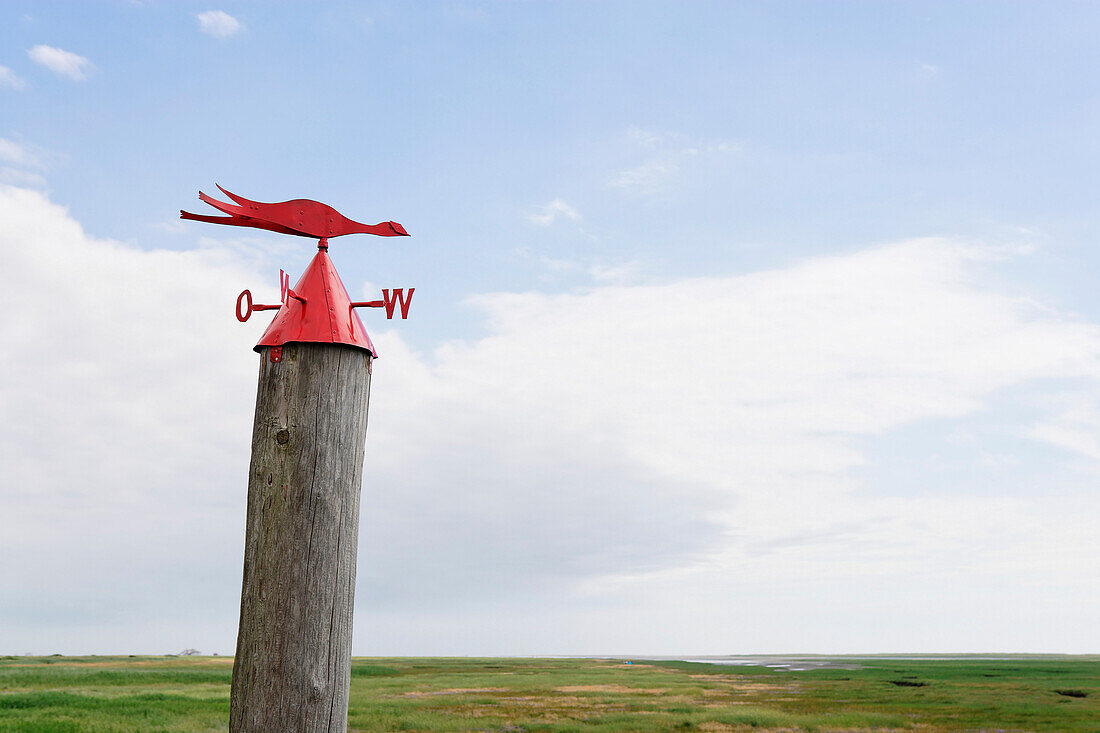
795 663
788 664
801 663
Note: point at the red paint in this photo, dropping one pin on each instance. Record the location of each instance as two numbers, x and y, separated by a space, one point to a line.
250 307
398 297
300 217
390 303
318 310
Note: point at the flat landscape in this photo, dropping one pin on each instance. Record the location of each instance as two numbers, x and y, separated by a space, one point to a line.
114 694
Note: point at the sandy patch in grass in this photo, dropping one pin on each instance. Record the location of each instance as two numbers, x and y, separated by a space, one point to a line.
453 691
713 726
739 684
611 688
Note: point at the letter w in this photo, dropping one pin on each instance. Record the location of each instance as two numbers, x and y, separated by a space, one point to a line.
397 298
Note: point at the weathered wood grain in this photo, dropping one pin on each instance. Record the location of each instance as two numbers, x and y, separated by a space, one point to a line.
292 669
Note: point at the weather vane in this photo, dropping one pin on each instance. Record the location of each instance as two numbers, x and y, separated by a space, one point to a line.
292 667
317 309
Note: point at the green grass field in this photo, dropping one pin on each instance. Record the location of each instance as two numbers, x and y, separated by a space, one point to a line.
62 694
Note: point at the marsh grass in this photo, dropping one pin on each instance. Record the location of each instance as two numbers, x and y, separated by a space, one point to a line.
166 694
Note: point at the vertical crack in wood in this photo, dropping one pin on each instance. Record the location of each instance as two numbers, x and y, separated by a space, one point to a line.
329 667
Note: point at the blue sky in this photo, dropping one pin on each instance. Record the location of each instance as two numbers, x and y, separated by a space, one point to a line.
835 256
847 123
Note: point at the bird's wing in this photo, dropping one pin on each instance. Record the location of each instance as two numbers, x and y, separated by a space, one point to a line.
243 221
246 203
222 206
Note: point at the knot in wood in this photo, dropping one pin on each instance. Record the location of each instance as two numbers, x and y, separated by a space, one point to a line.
282 437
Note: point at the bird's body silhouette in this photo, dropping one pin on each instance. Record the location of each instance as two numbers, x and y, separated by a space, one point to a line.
300 217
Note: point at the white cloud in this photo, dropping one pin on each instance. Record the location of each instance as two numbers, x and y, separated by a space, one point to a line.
645 138
659 467
171 226
747 402
667 153
61 62
1074 428
645 178
618 274
552 212
19 177
17 154
559 269
558 265
117 333
218 23
25 164
10 79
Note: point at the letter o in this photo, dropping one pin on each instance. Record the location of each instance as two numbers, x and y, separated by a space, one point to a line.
246 296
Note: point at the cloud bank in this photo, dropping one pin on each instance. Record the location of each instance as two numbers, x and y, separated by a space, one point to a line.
681 467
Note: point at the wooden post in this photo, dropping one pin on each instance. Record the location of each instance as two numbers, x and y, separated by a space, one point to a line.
293 666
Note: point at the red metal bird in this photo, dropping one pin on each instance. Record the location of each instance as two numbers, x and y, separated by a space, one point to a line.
300 217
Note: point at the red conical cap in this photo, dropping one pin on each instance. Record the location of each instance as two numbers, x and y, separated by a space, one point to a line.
325 318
